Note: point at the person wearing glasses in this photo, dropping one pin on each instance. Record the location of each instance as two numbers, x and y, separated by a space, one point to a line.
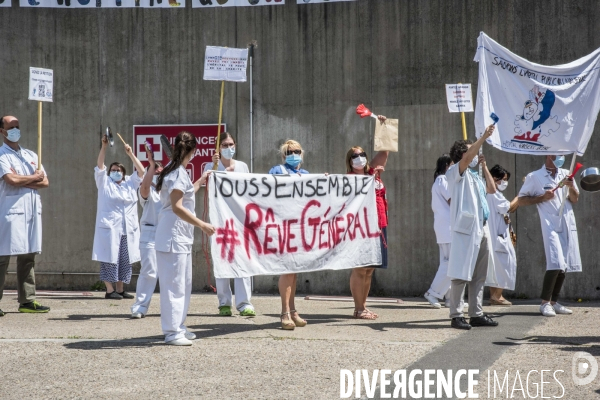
357 163
292 157
243 286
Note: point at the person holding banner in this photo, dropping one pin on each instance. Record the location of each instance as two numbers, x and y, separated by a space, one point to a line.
150 202
117 233
469 213
503 251
21 210
292 157
559 232
174 238
357 163
243 286
440 203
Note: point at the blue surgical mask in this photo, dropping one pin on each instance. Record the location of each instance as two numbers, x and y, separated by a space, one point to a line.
560 160
14 134
293 160
116 176
228 153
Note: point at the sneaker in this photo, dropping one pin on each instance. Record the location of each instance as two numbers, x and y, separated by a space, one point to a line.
137 315
460 323
1 313
547 310
225 311
190 335
126 295
113 296
180 342
560 309
248 312
33 307
432 300
484 320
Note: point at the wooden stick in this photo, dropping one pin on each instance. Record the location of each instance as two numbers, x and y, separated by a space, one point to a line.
216 165
121 138
39 166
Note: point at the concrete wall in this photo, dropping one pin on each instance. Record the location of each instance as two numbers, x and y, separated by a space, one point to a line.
314 64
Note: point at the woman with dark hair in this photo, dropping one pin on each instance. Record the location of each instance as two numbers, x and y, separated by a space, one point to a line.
505 258
117 234
174 239
357 163
440 203
243 286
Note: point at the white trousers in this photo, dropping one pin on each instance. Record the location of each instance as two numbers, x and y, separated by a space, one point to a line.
146 282
175 280
243 292
441 283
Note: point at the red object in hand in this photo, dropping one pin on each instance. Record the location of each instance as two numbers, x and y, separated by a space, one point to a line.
570 177
364 111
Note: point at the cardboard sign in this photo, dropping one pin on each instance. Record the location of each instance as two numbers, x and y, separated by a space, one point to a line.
386 135
206 139
41 84
459 97
225 64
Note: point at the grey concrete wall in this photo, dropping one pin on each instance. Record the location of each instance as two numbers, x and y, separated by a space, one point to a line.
314 64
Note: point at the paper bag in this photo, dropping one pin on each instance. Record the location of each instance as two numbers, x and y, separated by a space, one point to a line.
386 135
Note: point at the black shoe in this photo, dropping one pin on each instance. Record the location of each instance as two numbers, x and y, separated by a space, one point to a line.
1 313
113 296
460 323
484 320
33 307
126 295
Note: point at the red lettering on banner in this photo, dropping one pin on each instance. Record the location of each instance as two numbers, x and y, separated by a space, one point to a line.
369 234
322 244
314 222
268 239
250 228
357 225
350 219
227 238
339 230
290 236
282 237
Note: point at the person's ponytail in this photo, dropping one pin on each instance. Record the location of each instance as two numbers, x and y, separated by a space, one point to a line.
185 142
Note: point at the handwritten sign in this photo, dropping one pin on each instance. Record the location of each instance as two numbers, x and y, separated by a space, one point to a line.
459 97
41 84
225 64
278 224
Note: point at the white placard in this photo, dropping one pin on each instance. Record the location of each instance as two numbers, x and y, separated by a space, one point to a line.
235 3
225 64
41 83
5 3
459 97
103 3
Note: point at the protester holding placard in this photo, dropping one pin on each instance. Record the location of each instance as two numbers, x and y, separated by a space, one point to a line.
174 239
292 156
21 210
243 286
559 232
360 279
150 202
117 234
440 203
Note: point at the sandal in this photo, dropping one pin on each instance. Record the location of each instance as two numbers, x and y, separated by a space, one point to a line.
374 314
501 302
286 324
299 322
364 314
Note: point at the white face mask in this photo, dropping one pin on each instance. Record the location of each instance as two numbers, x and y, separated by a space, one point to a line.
13 134
359 162
474 162
228 153
502 185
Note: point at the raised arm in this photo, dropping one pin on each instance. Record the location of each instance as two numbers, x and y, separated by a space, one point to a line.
380 159
490 185
138 164
147 181
102 153
176 197
474 150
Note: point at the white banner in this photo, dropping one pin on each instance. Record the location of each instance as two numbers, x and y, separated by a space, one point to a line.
225 64
235 3
319 1
278 224
542 109
5 3
41 84
103 3
459 97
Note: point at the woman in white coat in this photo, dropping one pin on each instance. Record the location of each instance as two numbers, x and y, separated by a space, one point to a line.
174 238
243 286
117 234
505 257
440 204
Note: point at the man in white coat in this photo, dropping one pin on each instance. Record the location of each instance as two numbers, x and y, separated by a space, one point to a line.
559 232
21 213
468 261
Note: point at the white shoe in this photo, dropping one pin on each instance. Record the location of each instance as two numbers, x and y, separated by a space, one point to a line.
432 300
560 309
180 342
190 335
137 315
547 310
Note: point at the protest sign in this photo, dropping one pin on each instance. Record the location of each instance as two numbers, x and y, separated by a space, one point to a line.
459 97
225 64
41 84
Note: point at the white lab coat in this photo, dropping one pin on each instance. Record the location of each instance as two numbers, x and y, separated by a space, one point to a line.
504 270
150 209
466 219
440 194
116 215
20 207
561 243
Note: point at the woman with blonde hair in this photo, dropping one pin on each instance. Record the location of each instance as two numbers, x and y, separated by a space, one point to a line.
360 278
292 157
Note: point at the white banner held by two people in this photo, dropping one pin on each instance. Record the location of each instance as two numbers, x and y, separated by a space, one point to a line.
542 109
278 224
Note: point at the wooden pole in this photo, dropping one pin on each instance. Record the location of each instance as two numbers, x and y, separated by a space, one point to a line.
464 125
216 165
39 166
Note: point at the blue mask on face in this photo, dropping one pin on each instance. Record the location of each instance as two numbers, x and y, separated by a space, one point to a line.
560 160
116 176
293 160
13 135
